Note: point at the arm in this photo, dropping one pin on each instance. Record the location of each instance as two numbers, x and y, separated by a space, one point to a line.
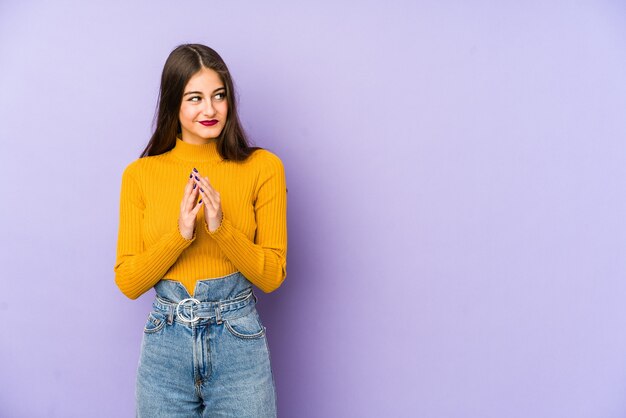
264 261
137 269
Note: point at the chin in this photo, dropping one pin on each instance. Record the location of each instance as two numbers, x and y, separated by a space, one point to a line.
211 135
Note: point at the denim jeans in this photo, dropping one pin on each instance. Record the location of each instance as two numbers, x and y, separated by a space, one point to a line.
205 356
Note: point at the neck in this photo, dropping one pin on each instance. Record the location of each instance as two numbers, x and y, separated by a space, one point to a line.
187 151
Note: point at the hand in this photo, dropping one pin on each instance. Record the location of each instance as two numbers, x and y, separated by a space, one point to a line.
212 204
189 210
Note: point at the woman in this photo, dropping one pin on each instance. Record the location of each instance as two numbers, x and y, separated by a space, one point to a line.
202 218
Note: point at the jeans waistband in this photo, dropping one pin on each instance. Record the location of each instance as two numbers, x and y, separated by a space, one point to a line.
214 289
231 297
192 310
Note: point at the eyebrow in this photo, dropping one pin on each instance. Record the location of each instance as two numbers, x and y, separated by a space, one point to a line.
199 92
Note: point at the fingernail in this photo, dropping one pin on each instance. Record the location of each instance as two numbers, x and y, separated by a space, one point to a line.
201 189
194 185
200 201
197 178
194 169
190 176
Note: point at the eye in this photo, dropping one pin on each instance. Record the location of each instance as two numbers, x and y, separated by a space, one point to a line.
220 96
193 99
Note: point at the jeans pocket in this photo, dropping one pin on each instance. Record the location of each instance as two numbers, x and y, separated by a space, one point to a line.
154 323
247 326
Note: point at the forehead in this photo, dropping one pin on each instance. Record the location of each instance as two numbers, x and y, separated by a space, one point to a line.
204 80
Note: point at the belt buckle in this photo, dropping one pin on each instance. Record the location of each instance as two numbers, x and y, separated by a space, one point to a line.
184 303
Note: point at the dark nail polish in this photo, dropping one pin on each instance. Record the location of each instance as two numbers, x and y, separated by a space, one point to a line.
197 178
194 169
194 185
200 201
190 176
201 189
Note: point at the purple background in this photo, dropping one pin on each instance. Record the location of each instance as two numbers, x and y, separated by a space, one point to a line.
456 203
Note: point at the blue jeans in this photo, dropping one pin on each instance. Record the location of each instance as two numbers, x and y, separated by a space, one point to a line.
205 356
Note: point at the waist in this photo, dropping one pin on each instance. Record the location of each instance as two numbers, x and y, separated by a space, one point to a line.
189 273
194 311
226 297
214 289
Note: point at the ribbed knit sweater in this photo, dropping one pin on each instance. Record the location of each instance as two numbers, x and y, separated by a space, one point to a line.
252 237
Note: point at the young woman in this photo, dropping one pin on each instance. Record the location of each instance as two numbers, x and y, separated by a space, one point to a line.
202 218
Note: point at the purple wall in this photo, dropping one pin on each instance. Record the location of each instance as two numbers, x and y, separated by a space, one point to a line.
457 200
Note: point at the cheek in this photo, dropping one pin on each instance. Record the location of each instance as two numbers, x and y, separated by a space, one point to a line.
185 114
223 108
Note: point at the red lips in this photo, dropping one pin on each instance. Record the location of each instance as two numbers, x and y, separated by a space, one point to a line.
208 122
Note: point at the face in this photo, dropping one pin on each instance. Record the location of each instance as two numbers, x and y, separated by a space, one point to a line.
204 108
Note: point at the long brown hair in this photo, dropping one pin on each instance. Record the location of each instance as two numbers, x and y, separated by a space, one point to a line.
183 62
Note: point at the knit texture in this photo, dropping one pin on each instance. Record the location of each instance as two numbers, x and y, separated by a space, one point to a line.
252 237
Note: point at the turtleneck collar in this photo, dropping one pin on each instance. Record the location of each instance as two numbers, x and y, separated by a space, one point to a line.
192 152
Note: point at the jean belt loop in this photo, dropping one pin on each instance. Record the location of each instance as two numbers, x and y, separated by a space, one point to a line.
218 313
170 315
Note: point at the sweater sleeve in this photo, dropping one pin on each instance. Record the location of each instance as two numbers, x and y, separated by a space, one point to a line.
264 261
137 269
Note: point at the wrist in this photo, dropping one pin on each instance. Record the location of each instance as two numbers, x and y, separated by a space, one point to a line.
186 233
213 225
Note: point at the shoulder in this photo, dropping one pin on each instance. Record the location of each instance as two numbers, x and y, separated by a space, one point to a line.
266 160
137 167
136 173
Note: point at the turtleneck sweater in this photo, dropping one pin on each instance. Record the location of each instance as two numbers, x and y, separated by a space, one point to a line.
252 236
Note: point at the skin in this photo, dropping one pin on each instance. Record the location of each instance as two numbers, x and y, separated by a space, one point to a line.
206 103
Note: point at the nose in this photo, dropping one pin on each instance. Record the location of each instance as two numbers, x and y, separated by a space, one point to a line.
209 110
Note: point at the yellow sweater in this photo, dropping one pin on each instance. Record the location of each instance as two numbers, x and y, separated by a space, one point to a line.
252 237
